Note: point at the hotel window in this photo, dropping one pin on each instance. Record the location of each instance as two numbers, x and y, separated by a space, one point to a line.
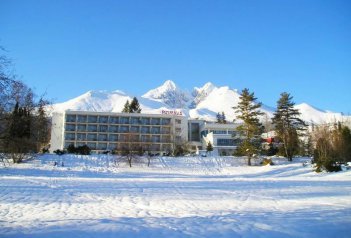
82 118
195 132
155 130
70 127
92 145
92 128
124 129
134 138
124 120
112 146
219 132
102 137
70 118
103 119
70 136
113 137
145 138
92 119
134 129
155 121
225 142
81 127
81 137
166 121
145 121
156 139
145 130
103 128
114 120
92 137
113 129
135 120
102 146
178 121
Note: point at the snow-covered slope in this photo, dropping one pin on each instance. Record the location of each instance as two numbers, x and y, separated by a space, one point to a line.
203 103
311 114
105 101
101 196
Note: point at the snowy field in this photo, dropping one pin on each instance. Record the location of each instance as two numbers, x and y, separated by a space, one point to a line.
91 196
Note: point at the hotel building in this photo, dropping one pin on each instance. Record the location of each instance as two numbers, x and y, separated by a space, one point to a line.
156 133
103 131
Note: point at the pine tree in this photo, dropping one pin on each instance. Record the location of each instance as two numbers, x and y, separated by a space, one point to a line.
219 118
41 126
17 139
288 125
248 111
134 106
126 107
224 121
209 147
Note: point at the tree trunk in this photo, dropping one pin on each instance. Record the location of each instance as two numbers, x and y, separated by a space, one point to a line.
130 161
249 160
285 141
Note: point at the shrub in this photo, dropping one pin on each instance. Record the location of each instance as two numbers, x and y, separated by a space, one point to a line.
80 150
71 149
59 152
267 161
83 150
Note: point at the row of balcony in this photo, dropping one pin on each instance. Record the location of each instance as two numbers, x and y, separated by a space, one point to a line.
114 137
118 129
121 146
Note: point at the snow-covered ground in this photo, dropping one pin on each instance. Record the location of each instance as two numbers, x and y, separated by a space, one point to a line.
92 196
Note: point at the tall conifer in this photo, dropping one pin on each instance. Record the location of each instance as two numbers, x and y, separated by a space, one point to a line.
288 125
251 128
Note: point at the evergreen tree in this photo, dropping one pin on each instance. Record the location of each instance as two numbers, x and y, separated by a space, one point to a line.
224 121
248 111
134 106
288 125
219 118
41 126
17 140
126 107
209 147
342 143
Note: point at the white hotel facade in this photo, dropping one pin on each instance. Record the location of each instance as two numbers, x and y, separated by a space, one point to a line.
157 133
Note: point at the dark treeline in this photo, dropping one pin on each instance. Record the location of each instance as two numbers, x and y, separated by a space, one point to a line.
24 124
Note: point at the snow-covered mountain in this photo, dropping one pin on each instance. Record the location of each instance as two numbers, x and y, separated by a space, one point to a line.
203 103
311 114
169 94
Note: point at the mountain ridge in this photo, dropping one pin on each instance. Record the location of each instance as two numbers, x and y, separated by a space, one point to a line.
202 103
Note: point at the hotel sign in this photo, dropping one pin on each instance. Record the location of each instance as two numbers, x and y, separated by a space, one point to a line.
172 112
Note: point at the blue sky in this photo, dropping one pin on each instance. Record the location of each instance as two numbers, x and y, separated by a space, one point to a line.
65 48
